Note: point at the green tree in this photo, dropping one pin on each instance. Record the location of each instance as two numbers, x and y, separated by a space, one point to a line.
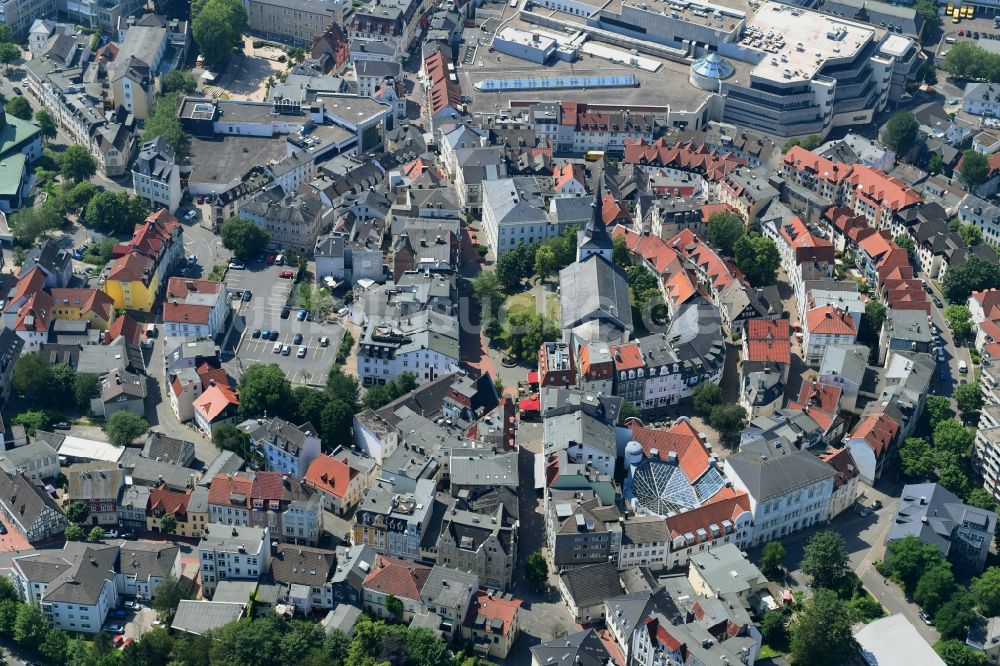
975 169
244 237
163 122
337 423
169 594
954 473
724 229
986 592
394 606
46 124
936 586
96 534
545 261
168 524
971 234
935 163
959 320
821 634
217 28
18 107
955 616
33 421
866 609
969 398
8 616
117 212
77 197
937 408
123 427
30 626
74 533
78 164
908 558
950 435
536 571
228 437
78 513
774 629
404 383
510 268
179 81
85 385
54 646
486 290
620 255
905 241
729 420
265 389
871 322
9 53
31 375
825 560
757 257
916 458
900 132
705 397
343 388
378 396
957 653
772 559
982 499
974 274
627 412
29 224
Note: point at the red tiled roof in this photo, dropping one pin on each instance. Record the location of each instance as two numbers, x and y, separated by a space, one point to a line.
178 287
828 320
820 401
878 430
728 504
712 165
563 175
989 301
168 501
131 267
403 580
720 272
330 475
680 438
125 327
627 356
769 351
182 313
492 607
214 401
828 170
767 329
223 487
880 188
612 212
842 461
444 90
268 486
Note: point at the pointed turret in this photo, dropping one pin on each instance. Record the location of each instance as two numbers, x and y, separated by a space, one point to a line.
594 238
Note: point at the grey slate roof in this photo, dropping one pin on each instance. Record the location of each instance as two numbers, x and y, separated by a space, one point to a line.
579 427
769 476
302 566
484 470
583 648
941 509
647 529
592 584
199 617
448 587
594 289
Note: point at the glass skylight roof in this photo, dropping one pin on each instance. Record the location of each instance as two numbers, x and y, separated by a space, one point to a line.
662 488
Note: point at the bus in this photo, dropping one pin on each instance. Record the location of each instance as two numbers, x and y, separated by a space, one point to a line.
970 9
951 8
963 12
594 155
954 15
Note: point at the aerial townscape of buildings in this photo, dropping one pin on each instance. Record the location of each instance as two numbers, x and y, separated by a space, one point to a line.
534 332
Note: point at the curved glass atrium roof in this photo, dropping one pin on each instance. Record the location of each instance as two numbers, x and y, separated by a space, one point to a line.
661 487
713 66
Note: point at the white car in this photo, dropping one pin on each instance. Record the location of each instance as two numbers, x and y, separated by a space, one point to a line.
301 353
342 311
190 215
236 266
277 348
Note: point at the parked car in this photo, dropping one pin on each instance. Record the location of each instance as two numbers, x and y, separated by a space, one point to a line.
190 215
301 353
342 311
115 629
876 505
277 348
17 91
256 333
301 315
111 534
297 339
963 367
324 341
937 302
926 618
247 295
273 336
270 259
286 275
131 604
128 536
62 425
236 266
286 350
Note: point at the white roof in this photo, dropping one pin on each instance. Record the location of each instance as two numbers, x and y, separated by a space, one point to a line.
893 641
78 447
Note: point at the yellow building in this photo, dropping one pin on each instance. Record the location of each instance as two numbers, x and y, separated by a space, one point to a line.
92 305
162 503
140 265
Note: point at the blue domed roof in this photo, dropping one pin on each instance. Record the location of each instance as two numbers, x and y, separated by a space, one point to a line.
713 66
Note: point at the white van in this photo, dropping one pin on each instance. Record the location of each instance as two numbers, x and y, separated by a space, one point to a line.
962 367
950 40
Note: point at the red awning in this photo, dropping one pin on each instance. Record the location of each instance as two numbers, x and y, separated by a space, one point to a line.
533 377
530 405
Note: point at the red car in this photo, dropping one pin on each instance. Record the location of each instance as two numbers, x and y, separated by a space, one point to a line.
270 259
286 274
961 33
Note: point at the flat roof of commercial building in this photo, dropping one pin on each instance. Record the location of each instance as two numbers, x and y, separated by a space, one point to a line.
212 160
797 42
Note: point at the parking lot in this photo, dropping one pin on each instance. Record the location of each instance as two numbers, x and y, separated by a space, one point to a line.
263 312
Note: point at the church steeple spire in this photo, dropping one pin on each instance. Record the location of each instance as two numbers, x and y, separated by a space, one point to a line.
594 238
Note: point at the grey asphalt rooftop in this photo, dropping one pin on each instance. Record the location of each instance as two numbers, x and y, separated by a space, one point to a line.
213 160
669 85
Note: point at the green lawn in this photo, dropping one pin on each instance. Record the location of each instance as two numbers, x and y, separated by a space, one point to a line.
766 652
524 302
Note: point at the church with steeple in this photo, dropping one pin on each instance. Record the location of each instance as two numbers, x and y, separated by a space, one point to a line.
594 238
